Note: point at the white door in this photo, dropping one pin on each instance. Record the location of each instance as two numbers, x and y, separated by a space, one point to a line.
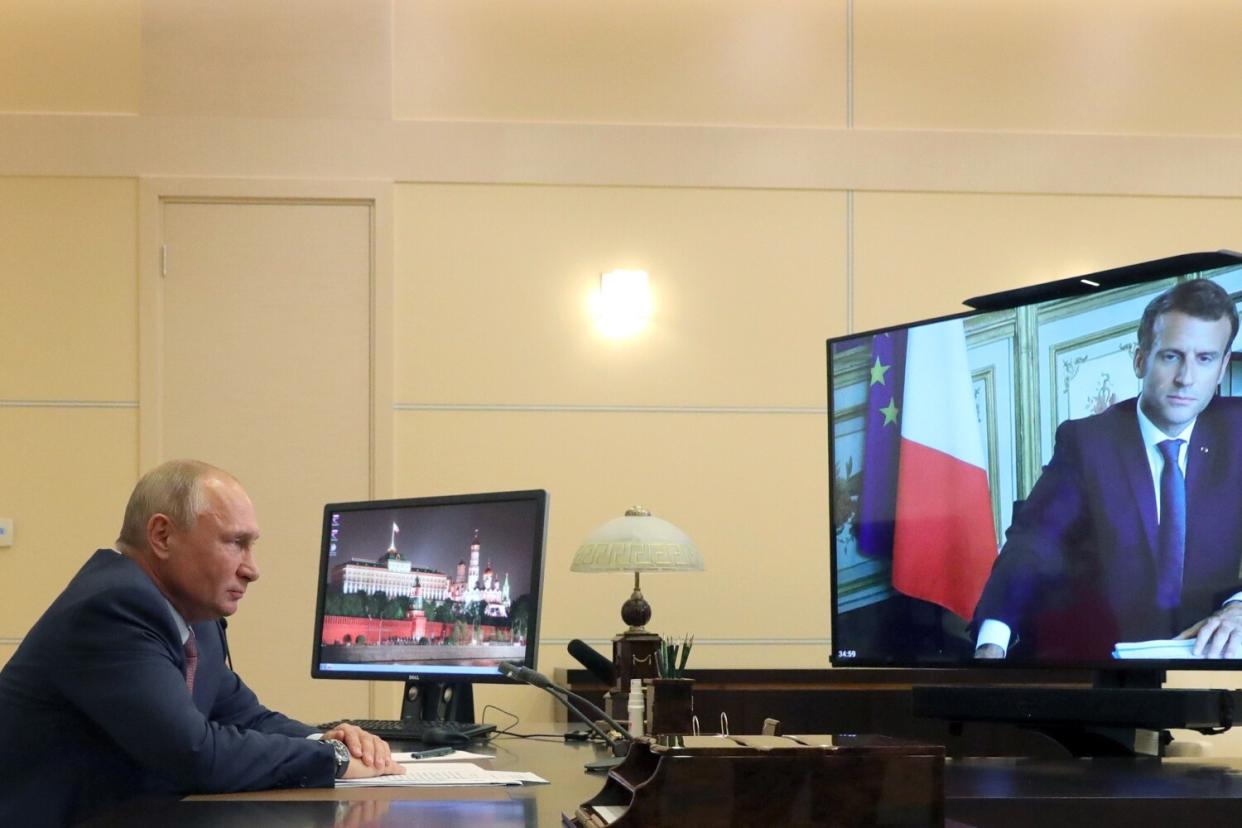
263 359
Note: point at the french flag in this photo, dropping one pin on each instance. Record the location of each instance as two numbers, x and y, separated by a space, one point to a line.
944 541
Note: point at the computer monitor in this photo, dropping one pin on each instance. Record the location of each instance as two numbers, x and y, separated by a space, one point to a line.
435 592
938 433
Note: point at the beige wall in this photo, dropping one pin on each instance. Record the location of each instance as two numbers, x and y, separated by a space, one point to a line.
68 356
787 171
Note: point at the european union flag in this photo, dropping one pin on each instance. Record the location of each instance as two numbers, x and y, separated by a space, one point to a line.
882 443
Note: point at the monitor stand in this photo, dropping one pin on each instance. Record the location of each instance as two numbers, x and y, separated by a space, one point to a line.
1126 713
431 701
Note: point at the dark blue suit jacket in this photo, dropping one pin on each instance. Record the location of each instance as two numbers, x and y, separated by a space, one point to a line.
1077 572
94 709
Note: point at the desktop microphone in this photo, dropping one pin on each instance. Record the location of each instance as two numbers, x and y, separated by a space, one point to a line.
597 665
525 675
541 681
528 676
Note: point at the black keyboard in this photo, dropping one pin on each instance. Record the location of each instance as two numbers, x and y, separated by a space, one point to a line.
415 730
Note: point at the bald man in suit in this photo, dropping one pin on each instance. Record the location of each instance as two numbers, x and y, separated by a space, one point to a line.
121 688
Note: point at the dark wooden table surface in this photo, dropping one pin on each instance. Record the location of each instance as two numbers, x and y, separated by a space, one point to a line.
979 793
527 806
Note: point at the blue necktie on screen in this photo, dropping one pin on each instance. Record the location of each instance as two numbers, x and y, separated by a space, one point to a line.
1171 548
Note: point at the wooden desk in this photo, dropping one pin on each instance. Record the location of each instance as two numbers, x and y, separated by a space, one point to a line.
979 793
1091 793
527 806
855 700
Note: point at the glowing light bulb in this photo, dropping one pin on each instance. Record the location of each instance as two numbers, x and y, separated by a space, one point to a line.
623 304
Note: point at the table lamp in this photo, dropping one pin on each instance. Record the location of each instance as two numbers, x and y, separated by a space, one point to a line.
638 542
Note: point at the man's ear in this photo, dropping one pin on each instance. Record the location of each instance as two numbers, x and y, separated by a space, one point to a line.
159 529
1140 363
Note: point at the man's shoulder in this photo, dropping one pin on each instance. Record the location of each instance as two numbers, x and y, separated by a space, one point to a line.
107 570
1125 409
1224 408
107 595
1220 426
1104 423
1222 414
110 582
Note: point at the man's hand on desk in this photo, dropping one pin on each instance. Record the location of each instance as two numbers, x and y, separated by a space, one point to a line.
357 770
1220 634
372 756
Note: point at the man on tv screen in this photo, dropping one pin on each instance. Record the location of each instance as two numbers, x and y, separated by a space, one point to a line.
1133 533
122 689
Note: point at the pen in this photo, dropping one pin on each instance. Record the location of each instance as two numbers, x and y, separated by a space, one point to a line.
427 754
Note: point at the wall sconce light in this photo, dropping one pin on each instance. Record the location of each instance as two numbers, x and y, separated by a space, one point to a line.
623 304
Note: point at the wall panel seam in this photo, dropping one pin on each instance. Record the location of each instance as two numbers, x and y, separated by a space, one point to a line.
849 262
849 64
68 403
611 409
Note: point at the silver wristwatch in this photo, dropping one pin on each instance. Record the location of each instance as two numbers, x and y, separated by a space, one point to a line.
342 755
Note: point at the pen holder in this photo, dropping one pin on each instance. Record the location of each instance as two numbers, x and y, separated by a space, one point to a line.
670 704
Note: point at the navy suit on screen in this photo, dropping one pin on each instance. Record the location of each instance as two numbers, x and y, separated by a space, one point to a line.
1077 572
94 709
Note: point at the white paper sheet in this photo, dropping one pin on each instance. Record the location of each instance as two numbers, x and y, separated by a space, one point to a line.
443 774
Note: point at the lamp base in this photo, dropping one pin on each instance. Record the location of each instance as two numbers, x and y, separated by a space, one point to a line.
634 655
636 611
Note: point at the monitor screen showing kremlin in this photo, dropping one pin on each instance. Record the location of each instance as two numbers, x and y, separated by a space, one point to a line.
950 508
436 588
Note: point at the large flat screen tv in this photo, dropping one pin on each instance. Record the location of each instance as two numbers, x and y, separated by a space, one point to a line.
962 495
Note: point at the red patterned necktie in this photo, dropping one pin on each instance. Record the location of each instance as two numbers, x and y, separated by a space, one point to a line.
191 660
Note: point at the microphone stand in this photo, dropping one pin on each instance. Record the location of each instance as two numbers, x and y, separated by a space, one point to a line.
613 723
620 747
